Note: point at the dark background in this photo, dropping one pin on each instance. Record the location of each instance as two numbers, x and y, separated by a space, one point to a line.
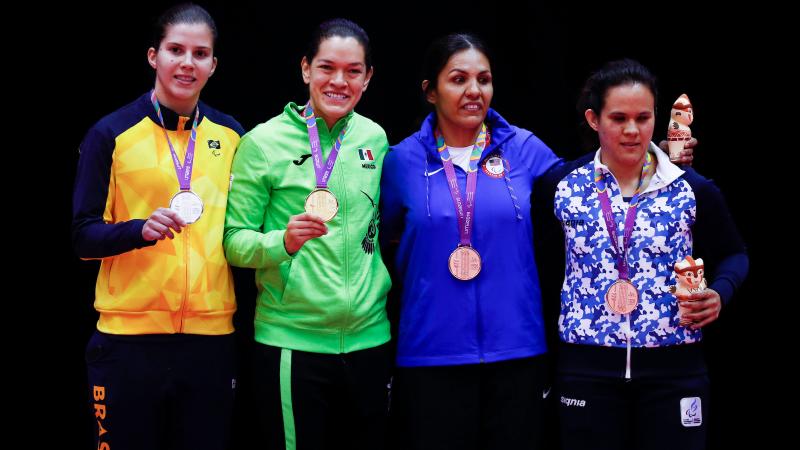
542 54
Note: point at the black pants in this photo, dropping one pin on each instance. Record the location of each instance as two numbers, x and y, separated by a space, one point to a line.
482 406
161 391
321 401
664 405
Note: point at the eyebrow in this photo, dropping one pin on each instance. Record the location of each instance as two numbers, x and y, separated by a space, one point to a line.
199 47
616 111
457 69
328 61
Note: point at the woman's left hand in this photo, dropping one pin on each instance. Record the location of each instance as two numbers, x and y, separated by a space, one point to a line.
687 154
704 307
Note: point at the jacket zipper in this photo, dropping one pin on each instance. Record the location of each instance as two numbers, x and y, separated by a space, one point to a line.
181 124
346 256
478 329
628 353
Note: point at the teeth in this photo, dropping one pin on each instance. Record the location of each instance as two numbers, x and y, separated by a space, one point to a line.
336 96
472 107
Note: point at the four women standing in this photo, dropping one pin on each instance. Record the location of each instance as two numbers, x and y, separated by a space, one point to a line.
303 211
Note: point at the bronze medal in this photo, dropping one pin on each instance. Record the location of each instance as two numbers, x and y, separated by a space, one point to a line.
464 263
622 297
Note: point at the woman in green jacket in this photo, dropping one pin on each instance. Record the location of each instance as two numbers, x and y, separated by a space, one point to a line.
303 212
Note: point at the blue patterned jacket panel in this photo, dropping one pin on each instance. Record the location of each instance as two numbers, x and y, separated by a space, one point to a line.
662 235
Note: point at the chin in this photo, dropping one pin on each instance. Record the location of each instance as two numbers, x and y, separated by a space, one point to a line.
634 158
339 110
473 121
182 93
333 114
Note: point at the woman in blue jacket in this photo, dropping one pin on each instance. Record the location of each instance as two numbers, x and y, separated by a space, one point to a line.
631 374
471 369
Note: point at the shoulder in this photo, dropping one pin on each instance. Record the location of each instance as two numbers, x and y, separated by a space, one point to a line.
571 172
704 189
121 120
222 119
694 178
369 126
103 134
527 143
274 128
523 146
400 153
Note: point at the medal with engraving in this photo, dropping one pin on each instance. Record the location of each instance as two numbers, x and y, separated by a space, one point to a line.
321 201
622 296
186 203
465 262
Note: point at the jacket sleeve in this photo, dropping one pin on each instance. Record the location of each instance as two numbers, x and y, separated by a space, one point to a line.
391 204
537 156
548 236
245 243
93 234
717 240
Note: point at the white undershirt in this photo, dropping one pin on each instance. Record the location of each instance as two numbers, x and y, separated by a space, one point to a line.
460 156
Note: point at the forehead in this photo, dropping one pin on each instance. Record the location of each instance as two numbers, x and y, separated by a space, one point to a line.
468 59
340 49
196 34
629 96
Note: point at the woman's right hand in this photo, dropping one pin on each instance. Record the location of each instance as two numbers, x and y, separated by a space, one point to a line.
300 229
161 223
687 154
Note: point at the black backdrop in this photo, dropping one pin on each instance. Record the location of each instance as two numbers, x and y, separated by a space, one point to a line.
542 53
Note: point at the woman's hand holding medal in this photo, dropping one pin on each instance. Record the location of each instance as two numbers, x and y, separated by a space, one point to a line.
161 223
300 229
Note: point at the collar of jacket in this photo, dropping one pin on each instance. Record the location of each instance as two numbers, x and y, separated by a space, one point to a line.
666 170
295 112
171 118
500 130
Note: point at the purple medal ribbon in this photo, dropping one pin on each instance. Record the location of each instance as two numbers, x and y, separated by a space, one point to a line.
184 171
465 212
321 173
630 217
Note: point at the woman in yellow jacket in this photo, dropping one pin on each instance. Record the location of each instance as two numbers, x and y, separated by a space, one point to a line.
149 202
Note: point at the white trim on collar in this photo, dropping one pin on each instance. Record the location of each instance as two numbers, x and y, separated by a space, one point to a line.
666 170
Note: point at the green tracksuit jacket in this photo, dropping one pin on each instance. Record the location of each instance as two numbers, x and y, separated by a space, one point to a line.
330 296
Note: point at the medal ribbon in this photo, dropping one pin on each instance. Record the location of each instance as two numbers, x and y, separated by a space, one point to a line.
322 173
184 172
465 213
630 217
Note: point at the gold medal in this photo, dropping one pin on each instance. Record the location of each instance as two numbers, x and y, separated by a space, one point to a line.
622 297
322 203
464 263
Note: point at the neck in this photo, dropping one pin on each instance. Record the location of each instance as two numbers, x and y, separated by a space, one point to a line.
627 175
329 121
455 136
182 107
